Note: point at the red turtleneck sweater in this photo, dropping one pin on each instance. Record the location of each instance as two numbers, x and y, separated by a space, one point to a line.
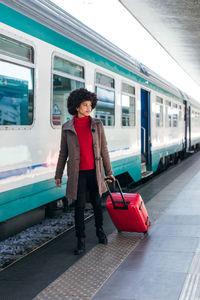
83 130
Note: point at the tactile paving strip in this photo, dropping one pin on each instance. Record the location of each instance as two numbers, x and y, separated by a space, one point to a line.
191 287
87 275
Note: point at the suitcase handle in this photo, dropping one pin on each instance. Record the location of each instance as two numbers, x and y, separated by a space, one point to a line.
121 193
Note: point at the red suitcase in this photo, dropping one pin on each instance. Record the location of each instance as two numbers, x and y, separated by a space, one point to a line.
127 211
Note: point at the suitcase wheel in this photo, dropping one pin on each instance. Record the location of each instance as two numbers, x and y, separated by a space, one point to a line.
119 230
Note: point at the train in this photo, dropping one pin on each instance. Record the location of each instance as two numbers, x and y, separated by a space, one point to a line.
45 53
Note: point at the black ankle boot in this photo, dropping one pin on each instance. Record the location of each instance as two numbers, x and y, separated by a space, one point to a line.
101 236
80 246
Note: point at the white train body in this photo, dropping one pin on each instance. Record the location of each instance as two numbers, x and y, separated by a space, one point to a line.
28 153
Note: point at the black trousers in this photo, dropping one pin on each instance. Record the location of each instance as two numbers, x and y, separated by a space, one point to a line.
87 182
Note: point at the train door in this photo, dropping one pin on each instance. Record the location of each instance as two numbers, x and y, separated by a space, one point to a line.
145 134
187 127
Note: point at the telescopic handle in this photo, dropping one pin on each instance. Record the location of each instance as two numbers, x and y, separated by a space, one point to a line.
121 193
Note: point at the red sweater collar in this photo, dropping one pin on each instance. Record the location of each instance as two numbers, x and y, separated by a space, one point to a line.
83 120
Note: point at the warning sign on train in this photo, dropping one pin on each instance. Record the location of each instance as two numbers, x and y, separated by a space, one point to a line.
56 110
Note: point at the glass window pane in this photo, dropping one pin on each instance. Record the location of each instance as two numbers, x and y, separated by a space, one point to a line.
16 49
168 117
128 110
128 88
16 94
62 87
105 109
175 118
159 100
105 80
68 67
180 115
159 115
167 102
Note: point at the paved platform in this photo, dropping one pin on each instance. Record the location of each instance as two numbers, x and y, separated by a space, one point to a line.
166 264
163 265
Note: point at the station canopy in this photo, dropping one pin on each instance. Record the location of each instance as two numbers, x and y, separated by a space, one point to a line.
175 25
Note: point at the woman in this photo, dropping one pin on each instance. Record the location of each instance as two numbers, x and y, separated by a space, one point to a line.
84 148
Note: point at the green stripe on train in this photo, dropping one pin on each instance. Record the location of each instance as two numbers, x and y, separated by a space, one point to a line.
31 27
23 199
156 155
195 141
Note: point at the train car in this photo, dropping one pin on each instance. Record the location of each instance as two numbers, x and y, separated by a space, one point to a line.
45 53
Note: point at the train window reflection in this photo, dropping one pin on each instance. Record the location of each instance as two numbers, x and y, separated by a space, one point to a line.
105 80
175 115
168 117
128 110
62 87
128 105
67 76
68 67
16 94
16 49
105 109
129 89
159 111
168 114
159 115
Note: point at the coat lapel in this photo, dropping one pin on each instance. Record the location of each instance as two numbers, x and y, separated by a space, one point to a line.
94 131
69 125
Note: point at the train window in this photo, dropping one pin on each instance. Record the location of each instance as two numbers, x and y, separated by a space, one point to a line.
159 112
175 115
193 114
159 100
67 76
105 109
128 105
167 102
16 49
180 112
105 80
129 89
68 67
16 83
168 114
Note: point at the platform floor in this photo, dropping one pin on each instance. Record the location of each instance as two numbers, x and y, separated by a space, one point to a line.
163 265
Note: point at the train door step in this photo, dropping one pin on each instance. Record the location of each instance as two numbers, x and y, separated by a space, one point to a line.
146 174
143 167
190 151
144 171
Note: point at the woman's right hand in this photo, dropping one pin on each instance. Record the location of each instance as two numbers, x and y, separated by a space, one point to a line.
58 182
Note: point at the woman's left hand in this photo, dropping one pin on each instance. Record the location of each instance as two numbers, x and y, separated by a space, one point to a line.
112 178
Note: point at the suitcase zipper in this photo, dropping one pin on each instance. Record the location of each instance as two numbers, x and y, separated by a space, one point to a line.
141 205
147 221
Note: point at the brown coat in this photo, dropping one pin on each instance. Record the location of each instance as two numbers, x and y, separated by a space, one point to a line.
70 153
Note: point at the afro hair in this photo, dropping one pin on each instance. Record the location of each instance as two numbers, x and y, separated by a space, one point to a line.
77 97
